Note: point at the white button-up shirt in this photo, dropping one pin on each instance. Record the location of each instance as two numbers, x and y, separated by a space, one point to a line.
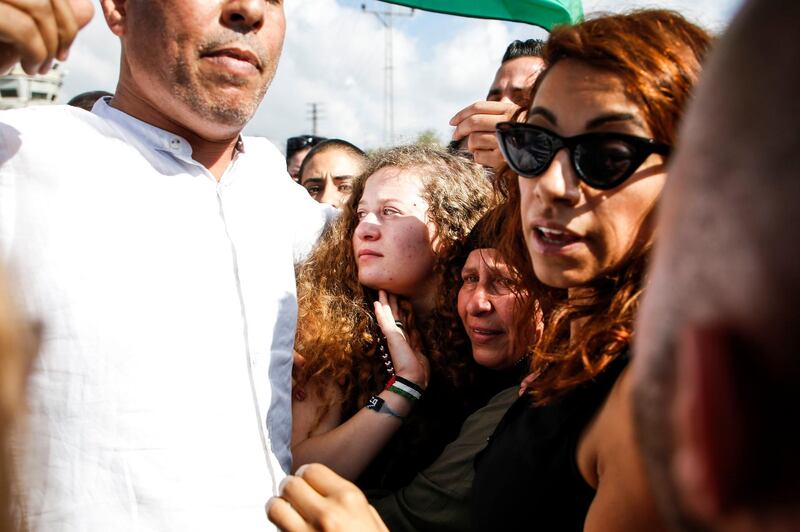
161 399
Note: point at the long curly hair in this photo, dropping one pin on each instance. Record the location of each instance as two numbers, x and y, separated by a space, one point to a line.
657 54
337 333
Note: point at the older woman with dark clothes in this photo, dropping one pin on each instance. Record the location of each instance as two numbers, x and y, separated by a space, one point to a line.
499 322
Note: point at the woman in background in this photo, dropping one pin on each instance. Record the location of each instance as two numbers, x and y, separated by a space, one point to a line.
479 291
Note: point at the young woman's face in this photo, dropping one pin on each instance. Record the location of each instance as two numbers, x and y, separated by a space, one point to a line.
328 176
574 233
394 242
486 306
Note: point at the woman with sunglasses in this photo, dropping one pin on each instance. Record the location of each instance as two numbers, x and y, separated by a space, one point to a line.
588 168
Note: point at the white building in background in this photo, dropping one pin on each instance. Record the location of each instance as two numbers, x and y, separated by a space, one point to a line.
17 89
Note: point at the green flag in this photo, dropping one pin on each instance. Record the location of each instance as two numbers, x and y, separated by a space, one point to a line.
543 13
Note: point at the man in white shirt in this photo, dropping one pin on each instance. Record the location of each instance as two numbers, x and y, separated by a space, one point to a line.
146 238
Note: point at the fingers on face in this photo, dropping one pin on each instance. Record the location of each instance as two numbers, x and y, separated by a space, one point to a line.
387 311
385 308
383 297
504 109
482 140
481 124
462 114
393 306
488 158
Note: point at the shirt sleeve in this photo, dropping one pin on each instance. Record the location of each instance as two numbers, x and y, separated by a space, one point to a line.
309 219
439 497
9 145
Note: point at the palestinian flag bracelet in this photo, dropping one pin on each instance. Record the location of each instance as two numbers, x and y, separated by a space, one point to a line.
404 387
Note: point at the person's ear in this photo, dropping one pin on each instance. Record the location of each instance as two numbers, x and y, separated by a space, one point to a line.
115 14
707 426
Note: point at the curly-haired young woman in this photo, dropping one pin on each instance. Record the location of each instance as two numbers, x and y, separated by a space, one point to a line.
375 399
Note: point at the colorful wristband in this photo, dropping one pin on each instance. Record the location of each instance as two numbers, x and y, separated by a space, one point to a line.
405 388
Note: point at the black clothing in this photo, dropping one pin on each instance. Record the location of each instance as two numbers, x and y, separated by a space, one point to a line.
435 422
527 478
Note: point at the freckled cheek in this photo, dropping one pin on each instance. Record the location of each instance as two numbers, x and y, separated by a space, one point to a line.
414 245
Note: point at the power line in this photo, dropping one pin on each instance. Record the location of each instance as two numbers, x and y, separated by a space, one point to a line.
315 115
387 19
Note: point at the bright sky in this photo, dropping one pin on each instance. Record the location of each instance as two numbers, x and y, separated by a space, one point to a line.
334 55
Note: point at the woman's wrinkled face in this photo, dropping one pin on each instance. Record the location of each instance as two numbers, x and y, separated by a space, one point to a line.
575 233
487 306
394 241
328 176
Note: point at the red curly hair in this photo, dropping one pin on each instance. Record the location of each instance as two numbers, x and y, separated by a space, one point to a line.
657 54
337 332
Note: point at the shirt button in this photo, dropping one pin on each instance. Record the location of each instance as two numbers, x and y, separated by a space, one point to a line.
175 144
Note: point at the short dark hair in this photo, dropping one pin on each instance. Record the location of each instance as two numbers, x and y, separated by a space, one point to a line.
529 48
86 100
327 145
301 142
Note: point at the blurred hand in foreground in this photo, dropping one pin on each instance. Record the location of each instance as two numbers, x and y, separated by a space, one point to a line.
37 32
316 498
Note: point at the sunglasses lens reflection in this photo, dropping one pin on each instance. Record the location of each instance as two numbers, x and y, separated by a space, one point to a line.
603 162
529 151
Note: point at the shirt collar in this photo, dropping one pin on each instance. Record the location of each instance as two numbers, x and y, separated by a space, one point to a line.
149 134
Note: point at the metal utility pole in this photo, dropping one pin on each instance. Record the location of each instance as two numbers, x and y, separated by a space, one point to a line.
315 114
386 17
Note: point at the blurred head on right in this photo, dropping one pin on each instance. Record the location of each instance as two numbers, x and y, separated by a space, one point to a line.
716 365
